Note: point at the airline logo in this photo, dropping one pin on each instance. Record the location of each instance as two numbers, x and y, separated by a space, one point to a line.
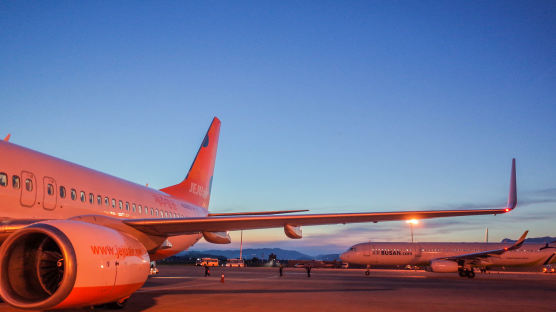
199 190
392 252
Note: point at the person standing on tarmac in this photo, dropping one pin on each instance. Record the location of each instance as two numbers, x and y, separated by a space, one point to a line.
308 269
207 271
281 269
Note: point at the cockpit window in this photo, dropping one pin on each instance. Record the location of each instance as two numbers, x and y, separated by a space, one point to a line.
82 196
73 194
62 192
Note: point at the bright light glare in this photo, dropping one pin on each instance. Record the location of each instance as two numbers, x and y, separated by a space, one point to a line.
413 221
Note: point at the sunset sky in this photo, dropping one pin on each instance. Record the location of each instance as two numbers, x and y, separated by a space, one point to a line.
331 106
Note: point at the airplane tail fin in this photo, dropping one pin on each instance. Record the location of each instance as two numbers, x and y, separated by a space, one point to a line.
196 186
512 197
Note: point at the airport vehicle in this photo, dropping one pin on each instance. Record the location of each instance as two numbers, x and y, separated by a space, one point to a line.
153 270
450 257
207 262
74 237
235 263
548 269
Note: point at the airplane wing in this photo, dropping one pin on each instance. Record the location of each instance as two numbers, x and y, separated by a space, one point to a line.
489 253
224 214
222 223
172 227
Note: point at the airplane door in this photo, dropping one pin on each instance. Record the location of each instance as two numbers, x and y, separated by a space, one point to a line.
417 251
367 250
49 199
29 189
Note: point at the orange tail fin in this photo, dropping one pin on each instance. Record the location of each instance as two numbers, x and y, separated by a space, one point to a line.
196 186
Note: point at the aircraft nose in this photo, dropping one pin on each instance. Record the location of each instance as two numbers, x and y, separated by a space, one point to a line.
344 257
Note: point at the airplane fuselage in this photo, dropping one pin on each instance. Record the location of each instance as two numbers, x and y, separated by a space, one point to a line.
42 187
383 253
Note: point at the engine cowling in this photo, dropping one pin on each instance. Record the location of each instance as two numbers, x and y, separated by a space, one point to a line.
217 237
65 264
444 266
292 231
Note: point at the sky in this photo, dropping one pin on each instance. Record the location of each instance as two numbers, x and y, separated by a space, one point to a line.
331 106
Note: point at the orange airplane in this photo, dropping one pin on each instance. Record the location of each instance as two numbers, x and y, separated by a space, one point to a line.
73 237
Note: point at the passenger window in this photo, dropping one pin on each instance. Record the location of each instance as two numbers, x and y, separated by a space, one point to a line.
133 207
50 189
121 205
91 198
113 203
99 200
28 185
15 182
152 212
73 194
62 192
106 200
156 212
127 206
139 208
82 196
3 179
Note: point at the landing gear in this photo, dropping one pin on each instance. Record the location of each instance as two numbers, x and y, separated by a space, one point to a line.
117 305
368 271
466 272
470 274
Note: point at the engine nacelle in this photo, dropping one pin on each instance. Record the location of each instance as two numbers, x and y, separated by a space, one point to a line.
65 264
217 237
292 231
444 266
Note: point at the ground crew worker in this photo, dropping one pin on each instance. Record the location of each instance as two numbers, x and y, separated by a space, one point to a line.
281 269
308 268
207 271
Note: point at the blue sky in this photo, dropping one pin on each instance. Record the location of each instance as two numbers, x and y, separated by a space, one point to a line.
328 106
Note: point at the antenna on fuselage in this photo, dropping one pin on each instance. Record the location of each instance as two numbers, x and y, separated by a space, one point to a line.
7 138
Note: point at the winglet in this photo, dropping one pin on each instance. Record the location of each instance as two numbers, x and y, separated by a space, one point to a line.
7 138
512 197
519 241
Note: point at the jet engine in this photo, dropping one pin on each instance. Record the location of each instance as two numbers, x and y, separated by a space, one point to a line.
66 264
444 266
217 237
292 231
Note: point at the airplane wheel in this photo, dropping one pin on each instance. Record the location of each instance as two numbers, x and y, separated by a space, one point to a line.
367 273
470 274
117 305
462 273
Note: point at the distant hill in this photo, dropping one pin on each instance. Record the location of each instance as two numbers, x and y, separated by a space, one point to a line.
328 257
546 239
249 253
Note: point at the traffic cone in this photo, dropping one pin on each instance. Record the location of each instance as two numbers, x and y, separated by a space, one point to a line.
222 278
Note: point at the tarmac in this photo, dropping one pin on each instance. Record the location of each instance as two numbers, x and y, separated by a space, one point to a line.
185 288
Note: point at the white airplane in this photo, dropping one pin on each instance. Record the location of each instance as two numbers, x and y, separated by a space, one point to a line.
451 257
74 237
